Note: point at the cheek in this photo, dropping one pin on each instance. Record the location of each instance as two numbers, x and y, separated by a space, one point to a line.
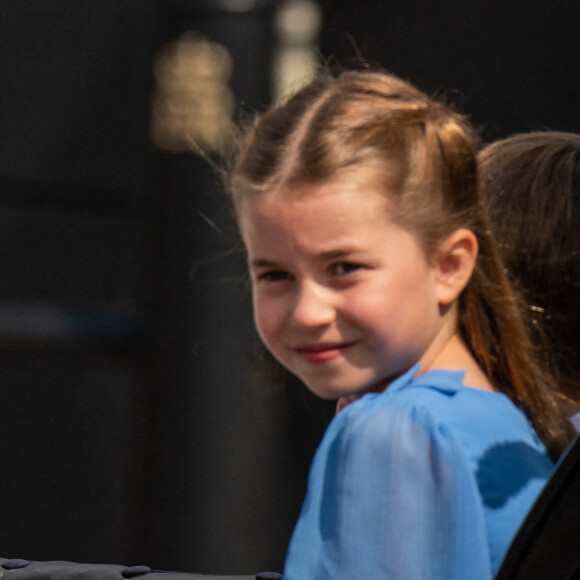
265 319
371 306
400 299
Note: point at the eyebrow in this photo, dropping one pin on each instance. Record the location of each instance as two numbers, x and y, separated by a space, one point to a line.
330 255
263 263
336 254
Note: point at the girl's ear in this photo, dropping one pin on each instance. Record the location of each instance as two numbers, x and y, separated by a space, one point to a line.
455 261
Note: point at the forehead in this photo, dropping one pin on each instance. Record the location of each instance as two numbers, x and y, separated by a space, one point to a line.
343 205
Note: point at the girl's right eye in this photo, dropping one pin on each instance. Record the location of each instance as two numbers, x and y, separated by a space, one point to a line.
273 276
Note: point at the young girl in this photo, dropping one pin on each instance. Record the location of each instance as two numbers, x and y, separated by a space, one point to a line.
376 281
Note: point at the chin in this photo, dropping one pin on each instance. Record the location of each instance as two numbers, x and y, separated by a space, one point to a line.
330 392
325 392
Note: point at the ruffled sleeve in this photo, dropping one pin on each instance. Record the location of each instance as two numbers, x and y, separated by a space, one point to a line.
391 496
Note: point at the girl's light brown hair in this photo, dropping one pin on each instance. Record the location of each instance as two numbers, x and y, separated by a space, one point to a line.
371 125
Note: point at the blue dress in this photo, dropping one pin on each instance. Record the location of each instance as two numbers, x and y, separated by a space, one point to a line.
427 480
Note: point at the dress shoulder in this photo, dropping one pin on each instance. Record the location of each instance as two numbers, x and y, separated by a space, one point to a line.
413 483
391 495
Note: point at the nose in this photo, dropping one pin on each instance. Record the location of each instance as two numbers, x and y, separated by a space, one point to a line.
314 305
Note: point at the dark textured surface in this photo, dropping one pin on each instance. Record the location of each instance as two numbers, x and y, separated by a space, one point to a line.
25 570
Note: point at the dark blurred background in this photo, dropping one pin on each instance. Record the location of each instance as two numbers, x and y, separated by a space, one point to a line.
140 420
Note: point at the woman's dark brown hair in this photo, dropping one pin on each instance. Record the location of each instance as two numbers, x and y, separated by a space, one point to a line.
376 128
531 183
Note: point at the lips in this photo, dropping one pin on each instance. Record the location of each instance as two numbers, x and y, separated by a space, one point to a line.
321 353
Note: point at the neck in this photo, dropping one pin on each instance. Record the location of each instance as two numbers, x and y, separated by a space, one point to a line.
454 355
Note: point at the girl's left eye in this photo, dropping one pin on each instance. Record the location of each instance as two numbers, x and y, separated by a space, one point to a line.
343 268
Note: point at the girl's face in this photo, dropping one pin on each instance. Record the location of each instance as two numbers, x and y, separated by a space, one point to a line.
343 297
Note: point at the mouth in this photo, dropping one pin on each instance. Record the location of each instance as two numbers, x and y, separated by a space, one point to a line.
321 353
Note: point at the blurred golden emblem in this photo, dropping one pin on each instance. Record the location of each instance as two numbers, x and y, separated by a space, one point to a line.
192 106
